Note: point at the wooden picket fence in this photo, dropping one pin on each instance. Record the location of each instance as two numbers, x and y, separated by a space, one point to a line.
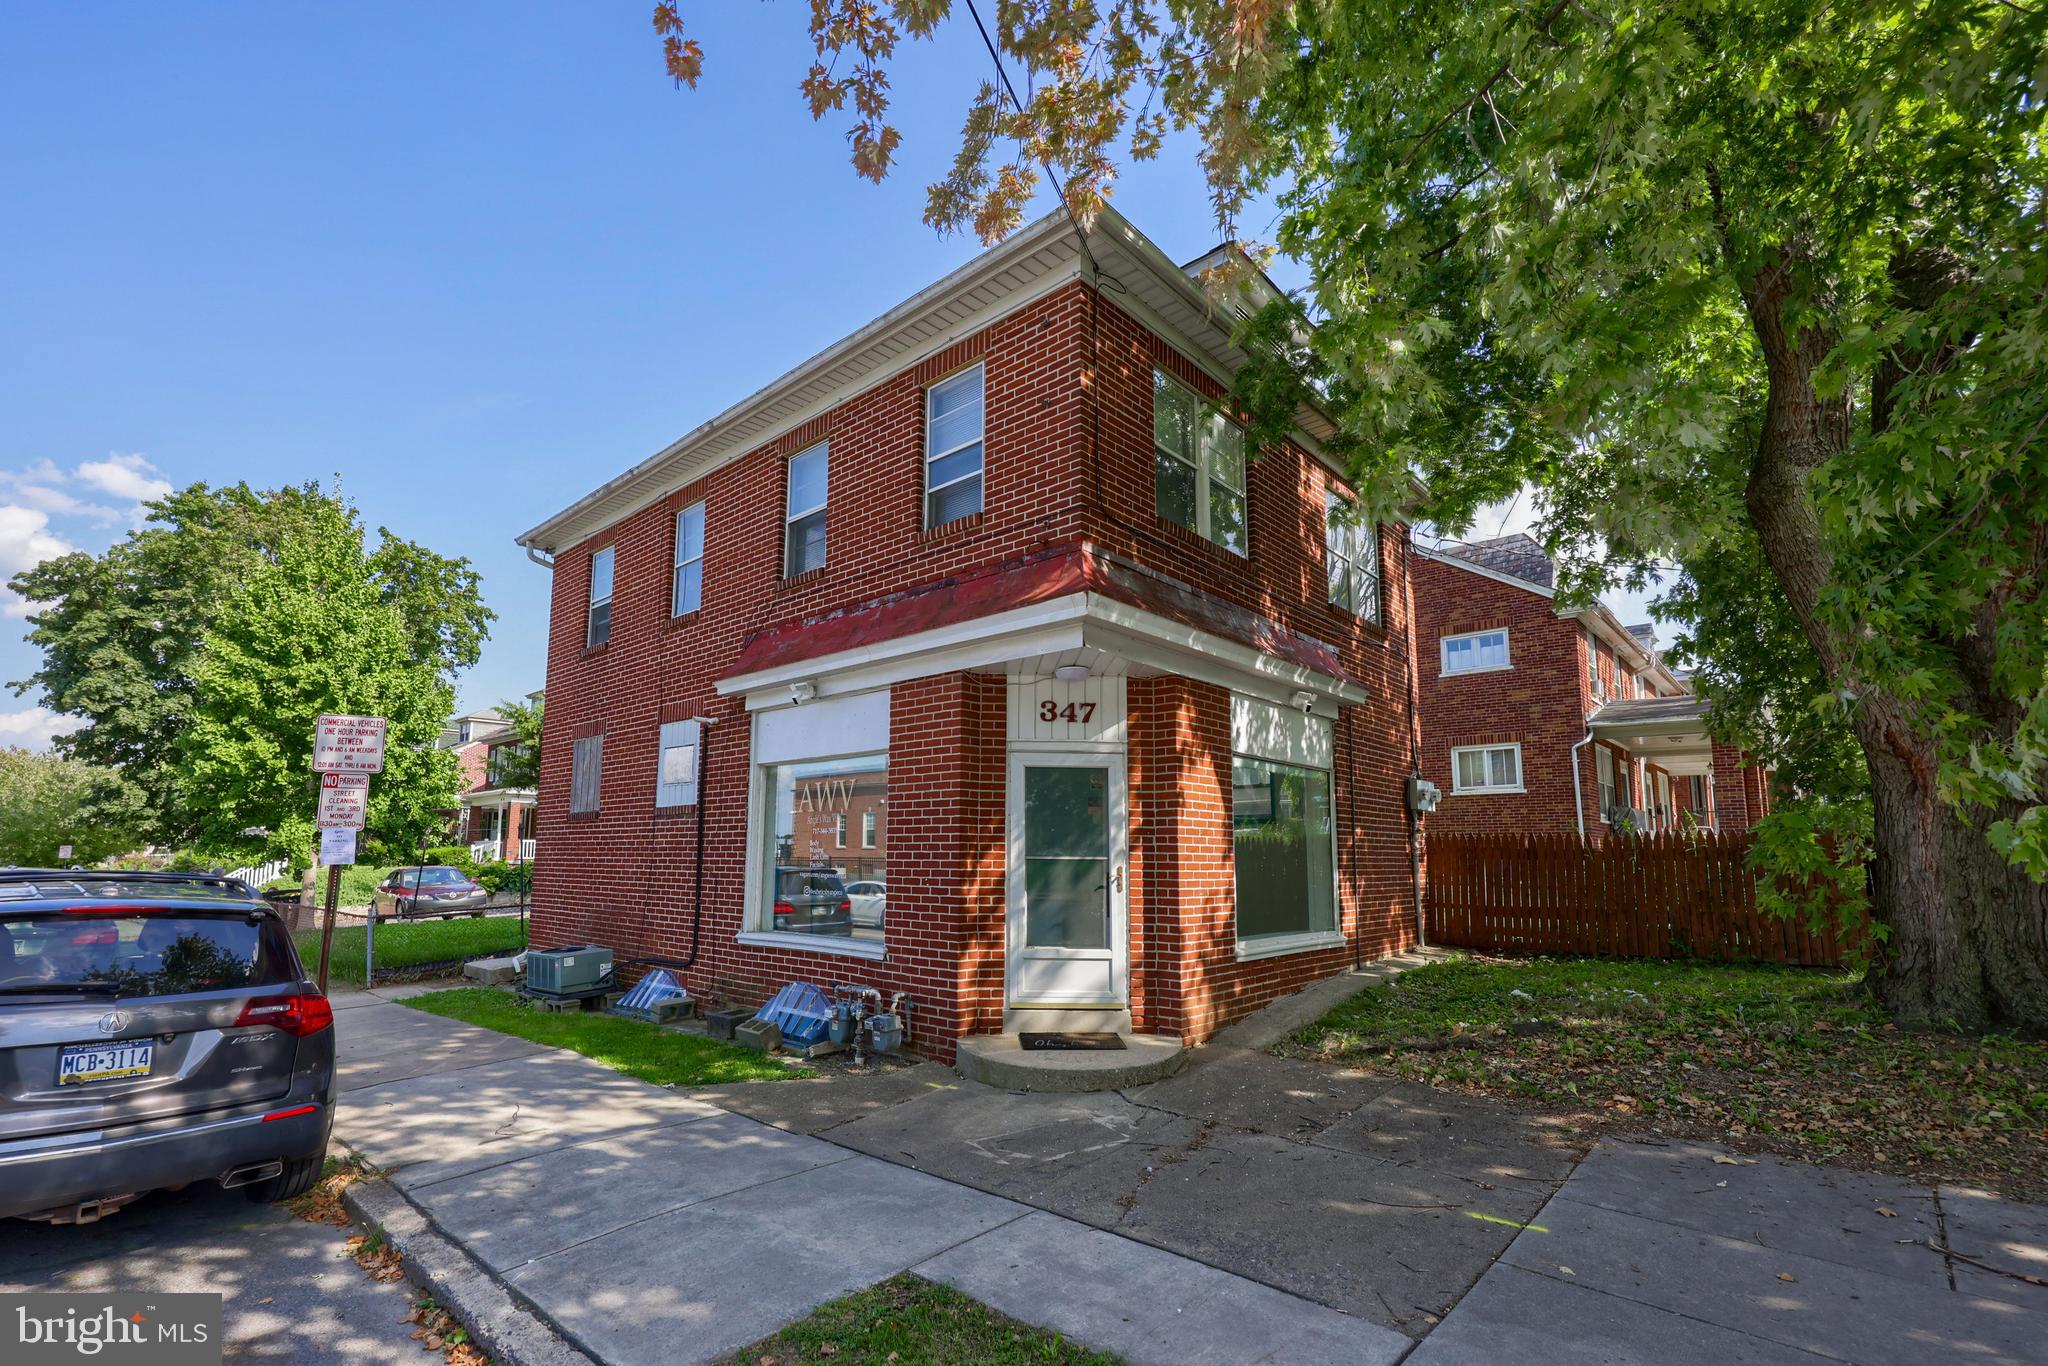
1647 896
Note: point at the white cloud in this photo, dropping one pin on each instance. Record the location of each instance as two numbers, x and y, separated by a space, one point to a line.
125 476
34 727
26 539
34 490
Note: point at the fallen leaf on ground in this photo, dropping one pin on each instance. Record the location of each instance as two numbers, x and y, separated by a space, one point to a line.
1887 1213
1787 1276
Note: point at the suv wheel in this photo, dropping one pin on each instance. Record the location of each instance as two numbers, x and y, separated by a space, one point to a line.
296 1179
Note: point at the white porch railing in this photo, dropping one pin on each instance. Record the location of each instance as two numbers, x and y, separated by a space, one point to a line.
484 851
526 848
263 873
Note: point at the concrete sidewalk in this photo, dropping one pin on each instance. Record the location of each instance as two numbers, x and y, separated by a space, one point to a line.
1678 1253
648 1226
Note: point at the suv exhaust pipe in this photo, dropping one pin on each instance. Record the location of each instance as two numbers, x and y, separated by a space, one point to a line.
254 1172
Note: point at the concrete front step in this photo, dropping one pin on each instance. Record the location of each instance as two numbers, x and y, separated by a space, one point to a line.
999 1060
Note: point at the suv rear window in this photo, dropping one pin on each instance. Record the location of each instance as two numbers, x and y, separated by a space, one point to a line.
141 954
806 882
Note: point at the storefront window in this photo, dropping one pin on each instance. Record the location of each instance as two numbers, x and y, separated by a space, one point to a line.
1281 821
814 883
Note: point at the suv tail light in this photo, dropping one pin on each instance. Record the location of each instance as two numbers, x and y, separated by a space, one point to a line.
846 905
296 1015
784 913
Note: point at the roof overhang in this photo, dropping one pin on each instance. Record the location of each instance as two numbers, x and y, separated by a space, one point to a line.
496 796
1038 259
1672 736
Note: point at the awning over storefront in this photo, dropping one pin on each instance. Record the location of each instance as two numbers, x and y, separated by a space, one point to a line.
1071 605
1669 732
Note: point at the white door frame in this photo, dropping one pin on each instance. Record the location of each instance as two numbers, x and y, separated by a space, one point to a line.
1084 981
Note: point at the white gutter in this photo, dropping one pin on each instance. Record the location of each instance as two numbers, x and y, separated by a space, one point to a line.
1578 797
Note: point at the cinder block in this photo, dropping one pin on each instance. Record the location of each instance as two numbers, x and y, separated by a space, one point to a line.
491 971
763 1036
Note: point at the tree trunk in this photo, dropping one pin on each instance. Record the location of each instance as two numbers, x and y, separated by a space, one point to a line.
1968 931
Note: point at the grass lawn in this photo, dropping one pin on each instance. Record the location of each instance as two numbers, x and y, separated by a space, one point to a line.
1791 1060
910 1321
409 943
665 1057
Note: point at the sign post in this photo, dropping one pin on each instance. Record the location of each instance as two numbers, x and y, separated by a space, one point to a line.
346 751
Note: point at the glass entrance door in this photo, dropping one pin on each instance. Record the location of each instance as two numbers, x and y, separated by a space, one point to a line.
1066 876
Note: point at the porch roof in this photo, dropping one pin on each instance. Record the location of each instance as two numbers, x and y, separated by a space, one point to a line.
499 796
1670 732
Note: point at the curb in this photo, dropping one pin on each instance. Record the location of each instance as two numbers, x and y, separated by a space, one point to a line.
499 1324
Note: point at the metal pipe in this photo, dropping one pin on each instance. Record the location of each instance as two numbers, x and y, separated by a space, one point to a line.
1578 799
540 557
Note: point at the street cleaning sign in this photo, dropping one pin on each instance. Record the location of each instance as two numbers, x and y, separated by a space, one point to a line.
344 801
348 744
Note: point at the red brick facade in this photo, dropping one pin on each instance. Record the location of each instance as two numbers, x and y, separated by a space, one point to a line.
1541 702
1068 468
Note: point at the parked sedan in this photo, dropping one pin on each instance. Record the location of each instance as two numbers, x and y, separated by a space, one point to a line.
156 1029
435 889
870 903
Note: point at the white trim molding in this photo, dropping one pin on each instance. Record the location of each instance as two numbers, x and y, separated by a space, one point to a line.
1279 945
812 943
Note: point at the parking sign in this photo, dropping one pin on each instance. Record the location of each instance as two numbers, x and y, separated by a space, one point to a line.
348 744
344 801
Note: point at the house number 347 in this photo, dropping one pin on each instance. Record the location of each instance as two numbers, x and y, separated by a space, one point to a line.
1073 711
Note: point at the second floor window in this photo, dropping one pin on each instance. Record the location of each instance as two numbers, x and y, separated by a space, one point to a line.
1475 653
1197 466
1593 668
1486 768
809 476
952 448
687 594
600 625
1353 555
867 829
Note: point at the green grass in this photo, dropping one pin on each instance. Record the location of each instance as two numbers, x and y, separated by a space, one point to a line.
1790 1059
409 943
909 1321
665 1057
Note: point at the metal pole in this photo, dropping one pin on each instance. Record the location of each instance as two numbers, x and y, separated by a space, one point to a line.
327 928
370 943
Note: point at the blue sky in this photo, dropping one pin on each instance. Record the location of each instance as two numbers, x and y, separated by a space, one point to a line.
471 258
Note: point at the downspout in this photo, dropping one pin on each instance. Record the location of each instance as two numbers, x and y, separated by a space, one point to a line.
1578 800
704 724
540 557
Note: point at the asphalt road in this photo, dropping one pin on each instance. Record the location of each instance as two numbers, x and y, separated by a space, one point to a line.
290 1292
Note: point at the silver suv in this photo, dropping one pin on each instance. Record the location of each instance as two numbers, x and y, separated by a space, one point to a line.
155 1029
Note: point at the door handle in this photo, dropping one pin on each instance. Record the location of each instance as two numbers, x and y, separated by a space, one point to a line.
1116 879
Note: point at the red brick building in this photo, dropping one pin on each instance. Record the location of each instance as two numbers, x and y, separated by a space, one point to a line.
1540 719
1129 715
495 817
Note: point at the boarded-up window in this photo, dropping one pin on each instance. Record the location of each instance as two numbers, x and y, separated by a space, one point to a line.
676 783
586 774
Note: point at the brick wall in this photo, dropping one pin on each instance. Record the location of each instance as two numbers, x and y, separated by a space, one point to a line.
625 875
1540 702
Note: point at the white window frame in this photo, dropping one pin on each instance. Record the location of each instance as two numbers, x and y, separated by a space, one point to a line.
932 457
1265 733
836 728
675 590
1476 637
839 830
1603 768
591 784
1357 548
791 514
868 827
1459 789
1203 438
1593 666
609 554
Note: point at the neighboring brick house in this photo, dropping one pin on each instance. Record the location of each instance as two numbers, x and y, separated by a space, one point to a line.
1118 722
494 818
1538 718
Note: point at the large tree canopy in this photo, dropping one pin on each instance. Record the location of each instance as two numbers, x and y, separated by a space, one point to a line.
121 632
1745 282
311 631
47 802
